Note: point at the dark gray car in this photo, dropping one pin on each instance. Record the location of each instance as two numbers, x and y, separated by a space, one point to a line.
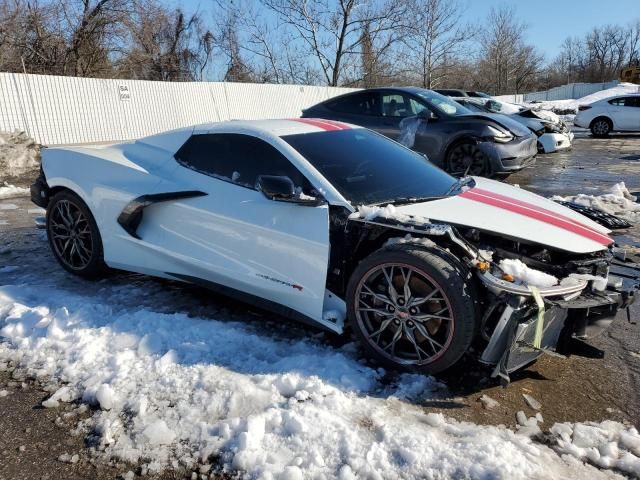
451 136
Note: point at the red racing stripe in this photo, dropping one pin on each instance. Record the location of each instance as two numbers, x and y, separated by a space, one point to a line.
489 193
538 214
344 126
318 123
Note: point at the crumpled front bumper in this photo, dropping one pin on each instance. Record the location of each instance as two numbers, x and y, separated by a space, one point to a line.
512 156
554 142
570 311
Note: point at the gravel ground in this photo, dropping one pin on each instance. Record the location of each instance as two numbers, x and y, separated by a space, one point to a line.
573 389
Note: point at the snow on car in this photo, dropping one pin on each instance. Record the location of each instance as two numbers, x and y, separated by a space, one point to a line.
303 217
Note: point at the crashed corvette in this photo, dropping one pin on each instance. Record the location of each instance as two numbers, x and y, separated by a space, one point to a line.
342 228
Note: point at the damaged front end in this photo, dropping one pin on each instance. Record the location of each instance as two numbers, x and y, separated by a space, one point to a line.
522 321
519 318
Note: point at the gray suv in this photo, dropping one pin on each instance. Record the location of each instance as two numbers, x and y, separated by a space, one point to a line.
451 136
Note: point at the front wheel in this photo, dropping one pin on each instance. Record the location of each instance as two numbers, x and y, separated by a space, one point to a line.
411 309
466 158
74 236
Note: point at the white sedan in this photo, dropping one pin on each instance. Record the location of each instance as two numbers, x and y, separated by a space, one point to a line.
617 114
337 226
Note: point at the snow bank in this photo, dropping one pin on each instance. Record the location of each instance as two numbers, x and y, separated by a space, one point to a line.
19 155
175 390
10 191
524 274
618 201
607 444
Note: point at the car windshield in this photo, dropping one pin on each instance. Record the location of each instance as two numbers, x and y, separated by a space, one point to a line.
368 168
441 103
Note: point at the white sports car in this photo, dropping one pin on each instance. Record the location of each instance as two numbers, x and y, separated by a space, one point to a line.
338 226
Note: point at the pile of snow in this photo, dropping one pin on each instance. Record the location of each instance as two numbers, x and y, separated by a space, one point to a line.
174 390
19 155
618 202
10 191
526 275
571 105
607 444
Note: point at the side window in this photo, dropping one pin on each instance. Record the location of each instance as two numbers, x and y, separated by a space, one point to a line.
366 103
618 102
237 158
399 105
633 101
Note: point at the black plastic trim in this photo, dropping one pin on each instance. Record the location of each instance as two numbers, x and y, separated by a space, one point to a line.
40 191
131 215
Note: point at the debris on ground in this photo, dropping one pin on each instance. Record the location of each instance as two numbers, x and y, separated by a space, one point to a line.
488 402
532 402
618 201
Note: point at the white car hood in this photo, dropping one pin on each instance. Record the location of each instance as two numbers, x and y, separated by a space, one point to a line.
502 209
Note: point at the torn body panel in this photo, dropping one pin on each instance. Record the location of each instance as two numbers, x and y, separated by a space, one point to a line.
514 329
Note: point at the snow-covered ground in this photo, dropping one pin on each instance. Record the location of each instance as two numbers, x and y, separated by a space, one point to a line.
174 390
617 201
572 104
10 191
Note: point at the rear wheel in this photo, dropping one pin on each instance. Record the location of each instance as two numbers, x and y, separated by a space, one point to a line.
466 158
601 127
73 235
411 309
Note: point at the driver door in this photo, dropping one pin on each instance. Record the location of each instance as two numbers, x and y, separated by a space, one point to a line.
234 236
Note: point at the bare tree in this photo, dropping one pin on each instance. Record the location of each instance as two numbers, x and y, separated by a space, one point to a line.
507 63
333 31
435 37
164 44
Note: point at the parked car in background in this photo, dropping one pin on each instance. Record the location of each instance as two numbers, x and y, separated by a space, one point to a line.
338 226
454 92
451 136
617 114
552 135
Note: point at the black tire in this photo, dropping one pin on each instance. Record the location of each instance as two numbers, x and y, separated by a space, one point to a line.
465 158
73 235
432 276
601 127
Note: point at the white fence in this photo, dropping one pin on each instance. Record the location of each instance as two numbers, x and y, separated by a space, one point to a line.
564 92
570 91
64 110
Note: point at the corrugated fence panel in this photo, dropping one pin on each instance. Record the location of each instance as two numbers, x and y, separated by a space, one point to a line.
570 91
62 110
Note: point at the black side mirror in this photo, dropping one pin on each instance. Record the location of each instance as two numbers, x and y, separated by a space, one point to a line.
282 189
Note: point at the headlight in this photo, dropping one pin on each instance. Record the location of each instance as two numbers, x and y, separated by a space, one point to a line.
498 135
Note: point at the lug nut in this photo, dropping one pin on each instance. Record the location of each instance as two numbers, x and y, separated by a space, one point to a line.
413 310
396 322
401 301
410 323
